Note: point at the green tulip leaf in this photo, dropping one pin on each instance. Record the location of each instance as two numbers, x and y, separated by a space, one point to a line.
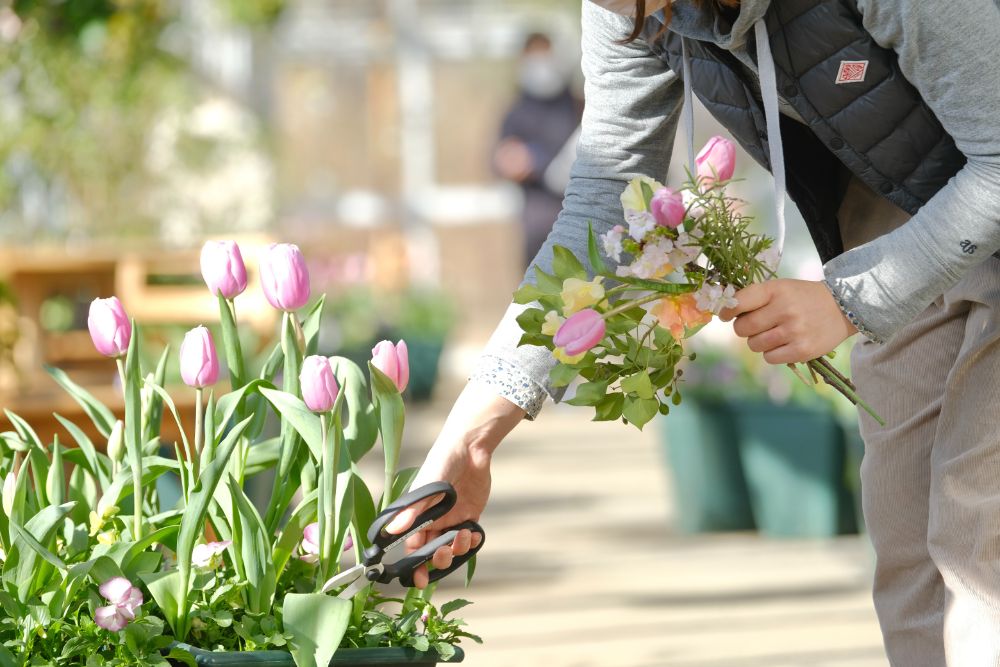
99 413
317 623
231 342
295 413
97 464
361 430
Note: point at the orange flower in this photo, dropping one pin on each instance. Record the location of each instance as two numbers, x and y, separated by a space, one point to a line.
678 313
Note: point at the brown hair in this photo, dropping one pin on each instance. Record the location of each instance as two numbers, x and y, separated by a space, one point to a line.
640 14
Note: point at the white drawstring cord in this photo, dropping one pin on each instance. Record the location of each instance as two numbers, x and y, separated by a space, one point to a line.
769 93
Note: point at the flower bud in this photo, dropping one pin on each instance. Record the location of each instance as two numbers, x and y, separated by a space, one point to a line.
667 207
319 386
110 328
284 276
580 333
199 361
394 361
716 161
223 269
116 442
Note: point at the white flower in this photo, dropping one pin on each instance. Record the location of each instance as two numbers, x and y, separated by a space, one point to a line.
207 555
714 298
770 258
124 598
640 223
686 249
689 198
654 262
613 242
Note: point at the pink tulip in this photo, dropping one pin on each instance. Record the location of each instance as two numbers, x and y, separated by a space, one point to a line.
110 328
394 361
310 544
667 207
223 269
284 276
125 599
580 332
716 161
199 361
319 386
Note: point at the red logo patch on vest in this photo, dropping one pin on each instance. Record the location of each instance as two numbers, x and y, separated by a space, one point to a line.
852 71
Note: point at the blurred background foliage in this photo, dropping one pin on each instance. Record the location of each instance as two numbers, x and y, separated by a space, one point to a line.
86 87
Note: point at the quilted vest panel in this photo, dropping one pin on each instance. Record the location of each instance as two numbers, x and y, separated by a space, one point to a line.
878 129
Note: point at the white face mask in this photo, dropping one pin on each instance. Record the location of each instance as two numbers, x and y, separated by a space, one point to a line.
541 76
627 7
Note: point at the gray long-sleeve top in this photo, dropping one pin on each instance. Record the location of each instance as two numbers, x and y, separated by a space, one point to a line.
947 51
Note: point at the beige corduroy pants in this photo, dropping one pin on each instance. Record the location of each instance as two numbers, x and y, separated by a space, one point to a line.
930 478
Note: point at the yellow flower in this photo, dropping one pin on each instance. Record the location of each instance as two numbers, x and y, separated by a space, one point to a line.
552 323
108 537
562 357
632 197
579 294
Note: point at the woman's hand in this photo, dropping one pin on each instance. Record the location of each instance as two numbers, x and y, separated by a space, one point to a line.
461 456
789 321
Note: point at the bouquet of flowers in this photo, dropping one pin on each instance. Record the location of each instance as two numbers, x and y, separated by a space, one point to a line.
681 256
96 569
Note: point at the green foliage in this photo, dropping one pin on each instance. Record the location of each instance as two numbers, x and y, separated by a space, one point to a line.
73 521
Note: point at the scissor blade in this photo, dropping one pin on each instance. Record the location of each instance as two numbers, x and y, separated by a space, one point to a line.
345 577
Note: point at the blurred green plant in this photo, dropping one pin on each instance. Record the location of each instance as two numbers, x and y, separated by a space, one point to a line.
82 83
254 13
361 316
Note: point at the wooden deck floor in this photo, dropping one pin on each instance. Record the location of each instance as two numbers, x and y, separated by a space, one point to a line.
583 569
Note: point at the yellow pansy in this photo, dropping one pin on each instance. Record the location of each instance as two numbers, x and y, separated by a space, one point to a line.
108 537
552 323
562 357
579 294
632 197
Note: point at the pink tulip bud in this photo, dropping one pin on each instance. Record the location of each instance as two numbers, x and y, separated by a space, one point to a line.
394 361
319 386
716 161
223 269
199 362
110 328
207 555
310 544
580 332
284 276
125 599
667 207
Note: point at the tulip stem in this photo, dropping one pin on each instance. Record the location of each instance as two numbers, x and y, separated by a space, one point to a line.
198 428
328 500
121 372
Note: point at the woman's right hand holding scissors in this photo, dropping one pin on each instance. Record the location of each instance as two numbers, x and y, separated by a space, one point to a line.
461 456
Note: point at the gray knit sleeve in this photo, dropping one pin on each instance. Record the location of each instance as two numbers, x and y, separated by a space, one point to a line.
633 103
949 53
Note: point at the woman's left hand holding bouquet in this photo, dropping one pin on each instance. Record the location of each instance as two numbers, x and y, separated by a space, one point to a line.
789 321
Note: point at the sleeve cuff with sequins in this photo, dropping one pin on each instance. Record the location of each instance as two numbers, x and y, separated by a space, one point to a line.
510 383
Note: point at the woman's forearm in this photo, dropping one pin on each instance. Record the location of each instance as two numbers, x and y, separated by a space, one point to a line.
479 420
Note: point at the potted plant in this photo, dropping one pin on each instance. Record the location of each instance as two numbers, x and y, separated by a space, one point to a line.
95 571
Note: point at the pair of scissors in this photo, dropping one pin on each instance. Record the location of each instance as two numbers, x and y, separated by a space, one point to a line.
371 569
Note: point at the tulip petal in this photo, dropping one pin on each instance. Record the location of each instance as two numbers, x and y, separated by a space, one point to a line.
403 365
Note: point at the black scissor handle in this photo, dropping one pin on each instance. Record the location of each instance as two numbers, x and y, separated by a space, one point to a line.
404 568
383 541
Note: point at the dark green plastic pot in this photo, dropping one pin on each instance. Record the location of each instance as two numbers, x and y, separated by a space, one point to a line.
701 447
345 657
795 462
425 357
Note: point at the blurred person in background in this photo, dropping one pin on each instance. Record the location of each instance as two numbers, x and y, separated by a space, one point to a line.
887 110
535 130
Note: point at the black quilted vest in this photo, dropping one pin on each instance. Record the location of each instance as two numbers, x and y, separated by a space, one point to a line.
879 129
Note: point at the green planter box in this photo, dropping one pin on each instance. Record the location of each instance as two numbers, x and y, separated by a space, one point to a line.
700 444
795 462
348 657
